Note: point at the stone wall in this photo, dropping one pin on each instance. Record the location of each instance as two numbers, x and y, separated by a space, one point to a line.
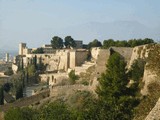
126 52
139 52
81 56
72 59
95 52
14 68
77 58
67 89
53 78
26 101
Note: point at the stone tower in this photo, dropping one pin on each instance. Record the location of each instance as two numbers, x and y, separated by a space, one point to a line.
22 46
7 57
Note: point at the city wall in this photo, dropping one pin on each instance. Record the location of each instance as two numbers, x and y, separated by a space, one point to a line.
26 101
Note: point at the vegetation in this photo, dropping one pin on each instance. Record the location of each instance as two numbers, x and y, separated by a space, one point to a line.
21 114
9 71
94 43
118 99
69 42
57 42
72 76
147 102
7 86
153 58
137 69
113 92
131 43
56 111
38 51
1 95
19 91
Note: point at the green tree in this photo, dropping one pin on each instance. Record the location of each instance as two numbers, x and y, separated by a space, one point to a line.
19 91
113 91
56 111
22 64
31 70
137 69
108 43
38 51
57 42
35 61
13 114
7 86
69 42
1 95
25 113
94 43
9 71
73 77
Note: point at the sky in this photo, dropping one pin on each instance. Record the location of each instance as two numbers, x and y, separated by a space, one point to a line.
35 22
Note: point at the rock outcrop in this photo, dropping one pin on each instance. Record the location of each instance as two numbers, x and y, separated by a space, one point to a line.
155 112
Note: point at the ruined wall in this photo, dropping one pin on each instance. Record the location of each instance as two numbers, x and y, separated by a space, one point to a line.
54 78
55 61
77 58
126 52
14 68
139 52
67 89
95 52
81 56
26 101
151 54
72 59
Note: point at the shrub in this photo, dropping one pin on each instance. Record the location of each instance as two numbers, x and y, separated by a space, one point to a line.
72 76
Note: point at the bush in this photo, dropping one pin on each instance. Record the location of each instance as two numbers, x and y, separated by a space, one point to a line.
148 102
72 76
9 71
25 113
137 69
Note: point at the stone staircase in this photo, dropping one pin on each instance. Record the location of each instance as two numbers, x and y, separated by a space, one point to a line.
83 67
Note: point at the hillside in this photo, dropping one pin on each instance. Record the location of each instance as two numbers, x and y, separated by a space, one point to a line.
78 94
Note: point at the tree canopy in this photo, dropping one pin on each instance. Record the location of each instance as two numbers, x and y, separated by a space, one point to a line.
69 42
1 95
94 43
57 42
117 101
38 51
123 43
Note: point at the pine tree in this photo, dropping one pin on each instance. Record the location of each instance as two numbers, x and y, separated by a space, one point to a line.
19 91
1 95
22 66
35 61
113 91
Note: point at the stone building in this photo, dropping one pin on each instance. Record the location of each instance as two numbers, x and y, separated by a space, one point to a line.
55 59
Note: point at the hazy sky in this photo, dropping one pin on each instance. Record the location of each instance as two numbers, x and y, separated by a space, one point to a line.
37 21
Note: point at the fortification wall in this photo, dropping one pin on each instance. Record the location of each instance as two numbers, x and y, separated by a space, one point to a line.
14 68
139 52
126 52
95 52
67 89
72 59
81 56
54 78
26 101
